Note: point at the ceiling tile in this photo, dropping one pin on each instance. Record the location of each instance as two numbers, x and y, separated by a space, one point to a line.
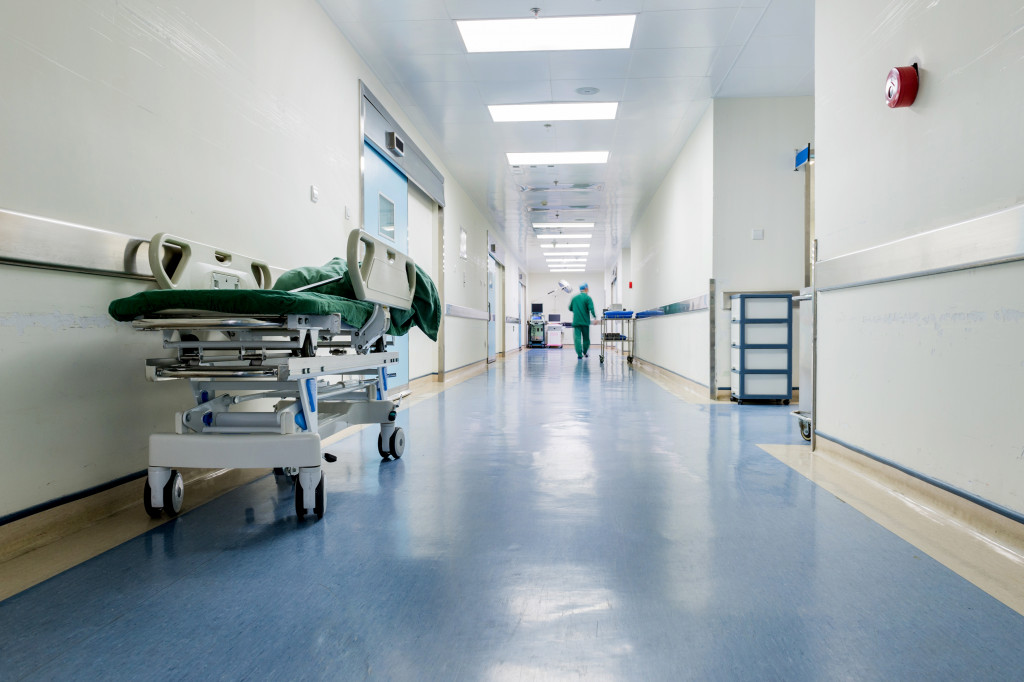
666 89
419 37
429 68
788 18
509 66
362 11
743 26
610 90
671 63
514 92
516 9
778 55
686 28
580 64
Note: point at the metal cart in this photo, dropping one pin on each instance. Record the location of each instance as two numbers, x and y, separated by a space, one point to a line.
617 330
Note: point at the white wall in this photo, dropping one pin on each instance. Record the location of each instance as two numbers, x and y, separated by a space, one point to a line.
929 367
208 120
756 188
670 255
542 282
955 154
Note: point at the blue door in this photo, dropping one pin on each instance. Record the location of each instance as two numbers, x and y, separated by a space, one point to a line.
386 216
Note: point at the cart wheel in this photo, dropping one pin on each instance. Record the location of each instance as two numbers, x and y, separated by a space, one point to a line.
785 402
601 357
380 446
319 502
629 359
147 502
805 429
174 494
397 442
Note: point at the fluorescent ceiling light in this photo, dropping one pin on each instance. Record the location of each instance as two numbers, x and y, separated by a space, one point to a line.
554 158
564 236
566 260
566 270
560 254
571 246
561 225
550 33
557 111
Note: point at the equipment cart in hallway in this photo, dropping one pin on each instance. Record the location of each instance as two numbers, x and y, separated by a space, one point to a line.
617 328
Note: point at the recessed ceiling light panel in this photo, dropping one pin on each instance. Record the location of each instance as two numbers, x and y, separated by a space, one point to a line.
564 236
548 226
554 158
548 33
558 111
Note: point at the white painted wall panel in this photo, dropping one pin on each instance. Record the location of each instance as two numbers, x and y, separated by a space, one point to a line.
928 372
671 244
679 343
937 359
756 188
954 155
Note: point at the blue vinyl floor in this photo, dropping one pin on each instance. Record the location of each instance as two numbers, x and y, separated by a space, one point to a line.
552 519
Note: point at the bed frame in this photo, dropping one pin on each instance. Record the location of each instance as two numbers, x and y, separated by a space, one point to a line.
320 373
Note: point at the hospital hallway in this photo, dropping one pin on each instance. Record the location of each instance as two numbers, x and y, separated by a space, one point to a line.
551 519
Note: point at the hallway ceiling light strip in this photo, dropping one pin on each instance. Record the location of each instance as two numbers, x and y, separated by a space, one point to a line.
556 111
559 254
545 226
548 33
567 270
564 236
554 158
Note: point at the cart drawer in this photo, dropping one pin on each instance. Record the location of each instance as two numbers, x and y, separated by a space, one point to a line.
761 358
761 334
767 308
767 385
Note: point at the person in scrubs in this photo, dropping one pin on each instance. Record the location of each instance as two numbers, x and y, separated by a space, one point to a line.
582 308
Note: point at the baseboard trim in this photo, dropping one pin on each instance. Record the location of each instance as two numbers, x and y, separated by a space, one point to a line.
48 525
684 387
979 544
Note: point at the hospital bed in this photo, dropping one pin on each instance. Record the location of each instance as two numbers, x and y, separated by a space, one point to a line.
318 360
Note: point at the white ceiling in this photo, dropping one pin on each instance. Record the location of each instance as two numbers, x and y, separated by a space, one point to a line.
684 52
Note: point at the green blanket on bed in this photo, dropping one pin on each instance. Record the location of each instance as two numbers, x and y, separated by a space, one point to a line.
335 297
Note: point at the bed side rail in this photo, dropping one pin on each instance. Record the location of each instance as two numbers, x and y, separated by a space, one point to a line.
179 263
383 275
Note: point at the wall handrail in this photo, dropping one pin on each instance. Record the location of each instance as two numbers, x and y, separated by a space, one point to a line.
992 239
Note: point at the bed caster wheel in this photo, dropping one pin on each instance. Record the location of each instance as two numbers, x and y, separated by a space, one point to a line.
805 430
380 447
147 502
629 359
601 358
319 503
174 494
397 442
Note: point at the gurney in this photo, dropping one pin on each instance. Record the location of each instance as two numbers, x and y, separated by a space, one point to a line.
320 357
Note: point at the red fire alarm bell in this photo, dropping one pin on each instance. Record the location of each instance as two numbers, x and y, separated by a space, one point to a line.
901 86
630 285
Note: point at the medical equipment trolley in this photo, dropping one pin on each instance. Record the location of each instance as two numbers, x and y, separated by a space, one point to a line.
617 330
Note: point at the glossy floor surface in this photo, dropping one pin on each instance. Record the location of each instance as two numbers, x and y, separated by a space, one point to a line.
551 519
